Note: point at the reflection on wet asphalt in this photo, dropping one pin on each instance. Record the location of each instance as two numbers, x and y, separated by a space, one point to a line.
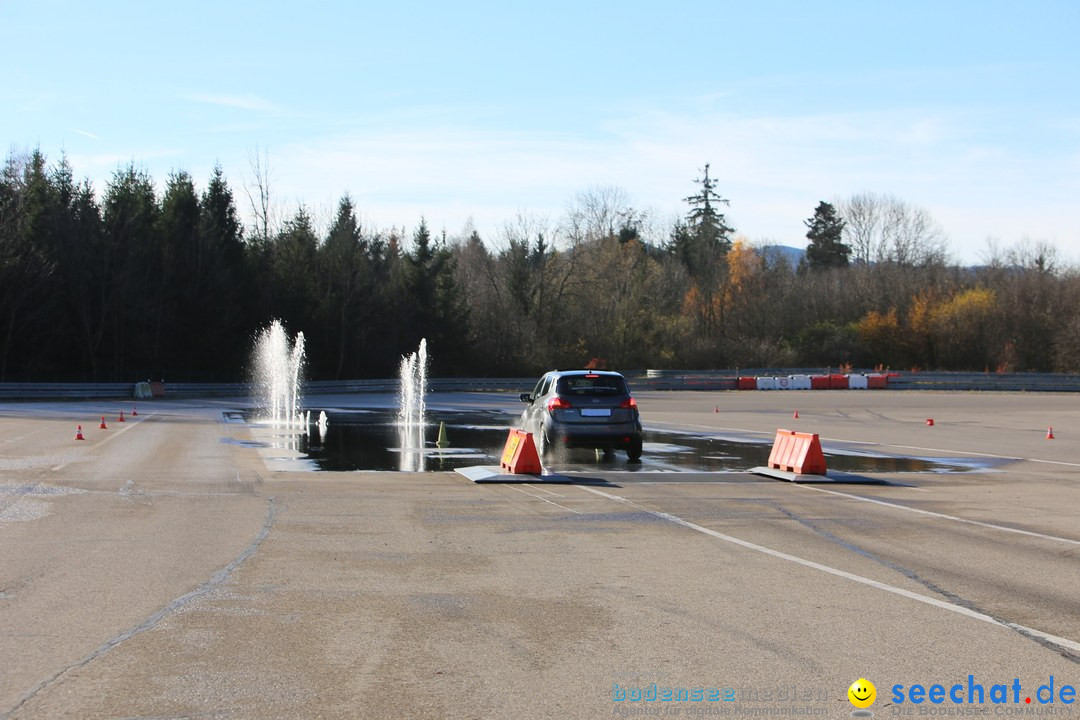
370 440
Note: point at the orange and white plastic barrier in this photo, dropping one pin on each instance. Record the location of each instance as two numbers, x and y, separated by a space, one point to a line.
836 381
519 454
797 452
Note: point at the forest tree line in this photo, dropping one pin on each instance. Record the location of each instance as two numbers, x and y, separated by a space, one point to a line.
132 283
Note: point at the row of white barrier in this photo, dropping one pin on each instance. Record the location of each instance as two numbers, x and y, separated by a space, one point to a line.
876 381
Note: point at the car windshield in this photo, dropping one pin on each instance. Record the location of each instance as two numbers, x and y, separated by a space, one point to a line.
582 385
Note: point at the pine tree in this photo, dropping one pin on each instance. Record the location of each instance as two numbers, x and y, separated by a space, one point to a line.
292 259
226 307
29 206
707 228
180 317
438 311
825 230
702 244
343 280
132 255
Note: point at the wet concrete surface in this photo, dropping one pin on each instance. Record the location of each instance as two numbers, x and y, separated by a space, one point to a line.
371 439
156 571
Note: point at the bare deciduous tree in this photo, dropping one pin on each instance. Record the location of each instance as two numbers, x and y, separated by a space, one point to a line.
885 229
257 190
599 212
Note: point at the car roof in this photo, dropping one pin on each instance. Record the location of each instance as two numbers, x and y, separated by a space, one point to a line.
586 372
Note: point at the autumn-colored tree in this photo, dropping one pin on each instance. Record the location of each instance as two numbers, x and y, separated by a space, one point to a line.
880 337
964 330
744 269
920 329
705 308
744 291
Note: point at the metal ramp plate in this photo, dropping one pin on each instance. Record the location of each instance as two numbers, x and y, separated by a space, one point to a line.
831 477
495 474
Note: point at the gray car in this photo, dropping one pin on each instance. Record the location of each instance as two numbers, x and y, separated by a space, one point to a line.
583 409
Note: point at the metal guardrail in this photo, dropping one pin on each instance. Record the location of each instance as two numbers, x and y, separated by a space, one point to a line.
109 391
1003 382
955 381
65 391
642 380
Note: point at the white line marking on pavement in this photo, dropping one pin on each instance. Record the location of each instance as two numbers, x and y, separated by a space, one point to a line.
980 523
549 502
21 437
711 427
959 609
928 449
1053 462
957 452
882 444
534 487
109 439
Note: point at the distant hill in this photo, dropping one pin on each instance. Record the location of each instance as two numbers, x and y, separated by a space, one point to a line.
782 253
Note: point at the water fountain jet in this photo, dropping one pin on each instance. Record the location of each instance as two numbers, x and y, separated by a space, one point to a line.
279 376
412 393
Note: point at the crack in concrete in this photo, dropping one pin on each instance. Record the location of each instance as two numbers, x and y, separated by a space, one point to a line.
217 579
928 584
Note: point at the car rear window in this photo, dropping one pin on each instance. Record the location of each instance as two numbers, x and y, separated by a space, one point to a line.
583 385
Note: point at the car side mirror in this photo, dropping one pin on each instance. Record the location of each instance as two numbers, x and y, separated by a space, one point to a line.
525 397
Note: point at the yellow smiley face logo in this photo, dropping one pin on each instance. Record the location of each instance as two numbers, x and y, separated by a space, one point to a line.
862 693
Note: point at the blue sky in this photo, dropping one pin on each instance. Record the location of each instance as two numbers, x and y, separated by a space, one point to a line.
485 110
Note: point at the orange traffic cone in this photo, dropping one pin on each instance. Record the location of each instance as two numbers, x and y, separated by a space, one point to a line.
796 415
103 425
121 417
930 422
134 412
1049 433
78 433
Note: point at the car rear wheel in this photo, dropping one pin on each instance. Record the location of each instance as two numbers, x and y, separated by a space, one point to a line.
633 453
541 444
546 445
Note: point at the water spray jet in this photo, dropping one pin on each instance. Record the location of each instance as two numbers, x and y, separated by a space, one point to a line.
279 375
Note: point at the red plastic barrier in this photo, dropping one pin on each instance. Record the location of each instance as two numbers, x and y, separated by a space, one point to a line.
797 452
838 382
519 454
747 383
877 382
819 382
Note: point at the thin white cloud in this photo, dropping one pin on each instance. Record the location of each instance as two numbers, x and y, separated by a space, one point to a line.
250 102
774 169
84 133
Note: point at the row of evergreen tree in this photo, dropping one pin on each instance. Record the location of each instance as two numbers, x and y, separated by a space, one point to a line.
138 286
132 285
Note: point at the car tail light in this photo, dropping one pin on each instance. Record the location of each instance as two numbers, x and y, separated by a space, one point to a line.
558 403
628 403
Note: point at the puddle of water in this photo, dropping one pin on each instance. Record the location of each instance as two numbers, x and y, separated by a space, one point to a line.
366 440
